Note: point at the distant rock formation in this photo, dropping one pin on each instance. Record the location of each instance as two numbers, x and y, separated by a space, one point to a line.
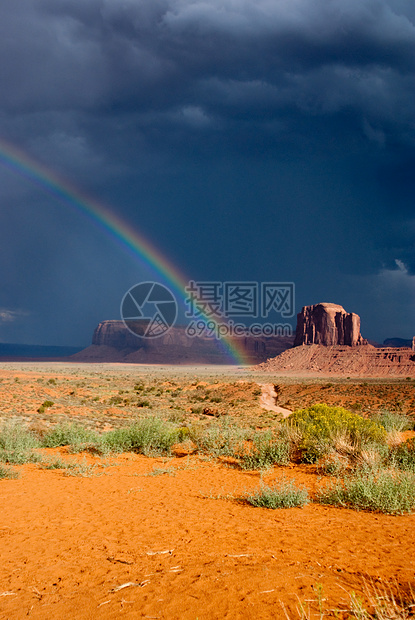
113 342
329 325
342 361
397 342
333 335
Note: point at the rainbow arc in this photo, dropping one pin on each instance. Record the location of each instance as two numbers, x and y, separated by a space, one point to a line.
118 229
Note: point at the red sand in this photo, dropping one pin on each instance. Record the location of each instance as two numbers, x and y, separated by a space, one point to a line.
67 543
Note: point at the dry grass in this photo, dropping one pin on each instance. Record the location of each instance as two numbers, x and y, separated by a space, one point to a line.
377 602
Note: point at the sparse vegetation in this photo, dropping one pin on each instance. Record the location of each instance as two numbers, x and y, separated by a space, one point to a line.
383 490
8 473
74 435
17 444
380 602
143 403
392 421
383 604
83 470
211 417
403 455
282 495
220 438
148 436
268 448
56 463
45 405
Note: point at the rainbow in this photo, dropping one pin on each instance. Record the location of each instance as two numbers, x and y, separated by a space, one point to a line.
116 228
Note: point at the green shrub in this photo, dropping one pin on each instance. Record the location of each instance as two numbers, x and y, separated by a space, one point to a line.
117 440
67 434
281 495
392 421
17 444
83 470
8 472
332 465
268 448
143 403
221 438
373 456
383 490
403 456
150 435
197 410
177 416
321 425
45 405
56 464
115 400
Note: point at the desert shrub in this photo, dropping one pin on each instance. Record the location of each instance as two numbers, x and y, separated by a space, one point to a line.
143 403
67 434
17 444
177 416
403 455
392 421
268 448
118 440
322 427
281 495
382 490
372 456
115 400
83 470
56 463
197 410
332 465
8 473
150 435
384 601
222 438
45 405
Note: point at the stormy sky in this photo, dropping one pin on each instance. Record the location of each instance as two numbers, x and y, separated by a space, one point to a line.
257 140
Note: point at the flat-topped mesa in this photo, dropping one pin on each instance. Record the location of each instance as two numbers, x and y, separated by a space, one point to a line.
328 324
113 342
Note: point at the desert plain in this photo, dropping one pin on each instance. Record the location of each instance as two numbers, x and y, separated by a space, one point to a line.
170 535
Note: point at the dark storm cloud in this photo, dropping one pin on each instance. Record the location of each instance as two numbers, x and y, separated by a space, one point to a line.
289 122
317 56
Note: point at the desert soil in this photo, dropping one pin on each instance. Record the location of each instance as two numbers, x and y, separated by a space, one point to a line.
172 531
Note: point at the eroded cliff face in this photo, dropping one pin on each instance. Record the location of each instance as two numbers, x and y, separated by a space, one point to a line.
328 324
114 334
112 341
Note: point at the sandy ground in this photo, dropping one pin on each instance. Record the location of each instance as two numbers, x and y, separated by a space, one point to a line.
68 543
171 530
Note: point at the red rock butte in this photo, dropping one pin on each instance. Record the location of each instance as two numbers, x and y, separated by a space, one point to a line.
328 324
328 342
